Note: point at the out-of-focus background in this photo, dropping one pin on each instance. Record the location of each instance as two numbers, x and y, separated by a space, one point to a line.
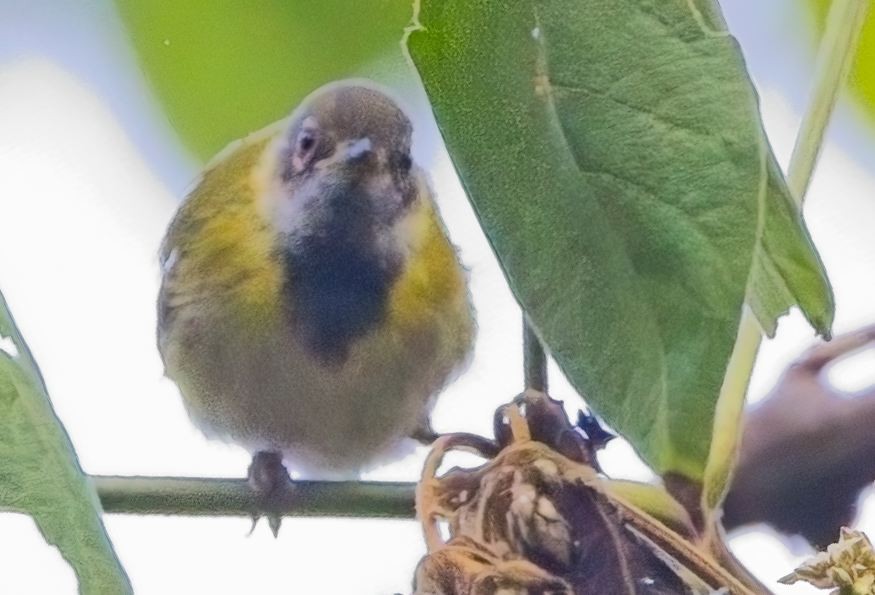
91 170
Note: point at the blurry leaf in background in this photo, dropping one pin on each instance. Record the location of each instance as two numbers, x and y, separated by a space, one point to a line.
223 70
40 475
615 156
862 76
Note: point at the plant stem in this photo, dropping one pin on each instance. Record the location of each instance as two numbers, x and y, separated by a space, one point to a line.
234 497
727 417
835 56
834 59
534 359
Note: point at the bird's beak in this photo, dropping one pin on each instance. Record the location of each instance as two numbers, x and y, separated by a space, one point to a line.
358 149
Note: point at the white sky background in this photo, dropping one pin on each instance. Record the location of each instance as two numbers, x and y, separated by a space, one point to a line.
89 177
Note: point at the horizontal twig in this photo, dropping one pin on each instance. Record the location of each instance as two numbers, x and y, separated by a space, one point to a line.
234 497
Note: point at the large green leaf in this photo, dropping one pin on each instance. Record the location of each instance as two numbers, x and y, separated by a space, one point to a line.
222 70
40 475
614 153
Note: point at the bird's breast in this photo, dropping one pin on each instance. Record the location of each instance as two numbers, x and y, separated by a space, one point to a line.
337 288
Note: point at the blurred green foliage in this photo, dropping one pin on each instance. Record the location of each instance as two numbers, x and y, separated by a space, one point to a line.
862 76
224 69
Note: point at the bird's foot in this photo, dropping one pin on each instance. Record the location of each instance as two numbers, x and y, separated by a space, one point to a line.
270 480
424 433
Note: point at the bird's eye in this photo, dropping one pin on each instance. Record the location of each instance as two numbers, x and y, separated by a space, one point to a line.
305 151
405 163
306 142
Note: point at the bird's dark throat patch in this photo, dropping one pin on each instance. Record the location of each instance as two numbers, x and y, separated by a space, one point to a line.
337 286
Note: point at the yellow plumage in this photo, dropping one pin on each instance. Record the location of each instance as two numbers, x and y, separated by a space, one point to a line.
217 244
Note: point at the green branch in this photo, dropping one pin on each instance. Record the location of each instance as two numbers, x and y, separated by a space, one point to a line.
234 497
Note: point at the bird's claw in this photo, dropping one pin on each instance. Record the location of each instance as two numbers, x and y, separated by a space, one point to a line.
270 480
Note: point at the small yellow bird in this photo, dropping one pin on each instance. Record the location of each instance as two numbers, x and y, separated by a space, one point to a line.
312 305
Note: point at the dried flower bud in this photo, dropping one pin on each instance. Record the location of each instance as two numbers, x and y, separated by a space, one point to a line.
465 566
532 520
848 565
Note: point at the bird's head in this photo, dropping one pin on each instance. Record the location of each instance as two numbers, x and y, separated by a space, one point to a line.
343 166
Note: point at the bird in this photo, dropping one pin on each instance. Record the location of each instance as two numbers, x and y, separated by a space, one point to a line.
312 305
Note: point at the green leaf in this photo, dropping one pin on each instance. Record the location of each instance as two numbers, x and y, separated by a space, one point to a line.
787 270
654 500
614 154
40 475
223 70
